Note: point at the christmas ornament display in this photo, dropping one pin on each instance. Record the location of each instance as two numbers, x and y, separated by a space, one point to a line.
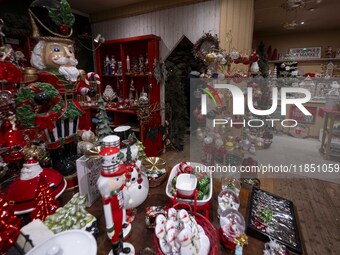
22 192
72 216
46 203
9 227
179 233
273 216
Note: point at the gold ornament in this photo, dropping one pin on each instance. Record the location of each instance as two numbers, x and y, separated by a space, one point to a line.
33 151
85 146
241 240
153 163
93 152
229 146
209 57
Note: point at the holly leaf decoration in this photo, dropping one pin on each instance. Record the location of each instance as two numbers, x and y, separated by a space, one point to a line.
66 13
63 15
54 15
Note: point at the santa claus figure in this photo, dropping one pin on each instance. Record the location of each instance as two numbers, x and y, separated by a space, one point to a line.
110 184
54 58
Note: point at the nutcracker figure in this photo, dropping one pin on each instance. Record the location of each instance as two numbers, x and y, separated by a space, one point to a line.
110 184
54 58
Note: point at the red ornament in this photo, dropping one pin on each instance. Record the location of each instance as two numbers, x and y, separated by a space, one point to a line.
14 138
64 29
9 225
46 203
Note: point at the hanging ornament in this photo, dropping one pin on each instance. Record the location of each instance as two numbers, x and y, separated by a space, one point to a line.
283 65
42 98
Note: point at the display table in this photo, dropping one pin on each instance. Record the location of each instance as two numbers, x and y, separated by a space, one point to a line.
141 237
328 133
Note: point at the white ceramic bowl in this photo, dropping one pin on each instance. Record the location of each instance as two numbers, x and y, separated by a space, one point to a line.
69 242
186 184
190 201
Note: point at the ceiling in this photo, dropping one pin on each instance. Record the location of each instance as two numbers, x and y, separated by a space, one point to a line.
95 6
269 15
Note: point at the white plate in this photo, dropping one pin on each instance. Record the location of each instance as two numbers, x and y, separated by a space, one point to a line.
69 242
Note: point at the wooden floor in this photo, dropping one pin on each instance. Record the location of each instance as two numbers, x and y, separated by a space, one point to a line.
317 204
318 208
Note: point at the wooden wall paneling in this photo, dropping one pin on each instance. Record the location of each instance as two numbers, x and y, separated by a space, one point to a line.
170 24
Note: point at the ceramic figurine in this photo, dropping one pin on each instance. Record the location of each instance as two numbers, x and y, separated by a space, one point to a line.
113 65
188 221
192 245
171 239
110 184
161 235
23 190
160 220
186 243
172 214
137 189
119 69
170 224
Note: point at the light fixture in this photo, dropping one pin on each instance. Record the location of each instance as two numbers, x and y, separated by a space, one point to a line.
302 22
99 39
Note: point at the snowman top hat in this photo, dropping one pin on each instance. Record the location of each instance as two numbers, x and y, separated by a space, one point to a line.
110 160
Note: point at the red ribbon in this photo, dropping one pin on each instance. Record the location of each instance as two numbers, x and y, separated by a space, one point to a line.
47 120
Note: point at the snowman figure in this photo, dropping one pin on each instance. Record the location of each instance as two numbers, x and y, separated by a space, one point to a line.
186 243
170 224
136 188
160 220
191 245
188 221
160 233
172 241
172 214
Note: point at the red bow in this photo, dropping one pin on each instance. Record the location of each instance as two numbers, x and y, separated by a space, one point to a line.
47 120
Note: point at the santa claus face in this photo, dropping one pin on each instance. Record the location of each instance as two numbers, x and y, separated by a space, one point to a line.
59 54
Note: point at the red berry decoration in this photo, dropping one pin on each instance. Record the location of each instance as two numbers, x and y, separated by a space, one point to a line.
64 29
